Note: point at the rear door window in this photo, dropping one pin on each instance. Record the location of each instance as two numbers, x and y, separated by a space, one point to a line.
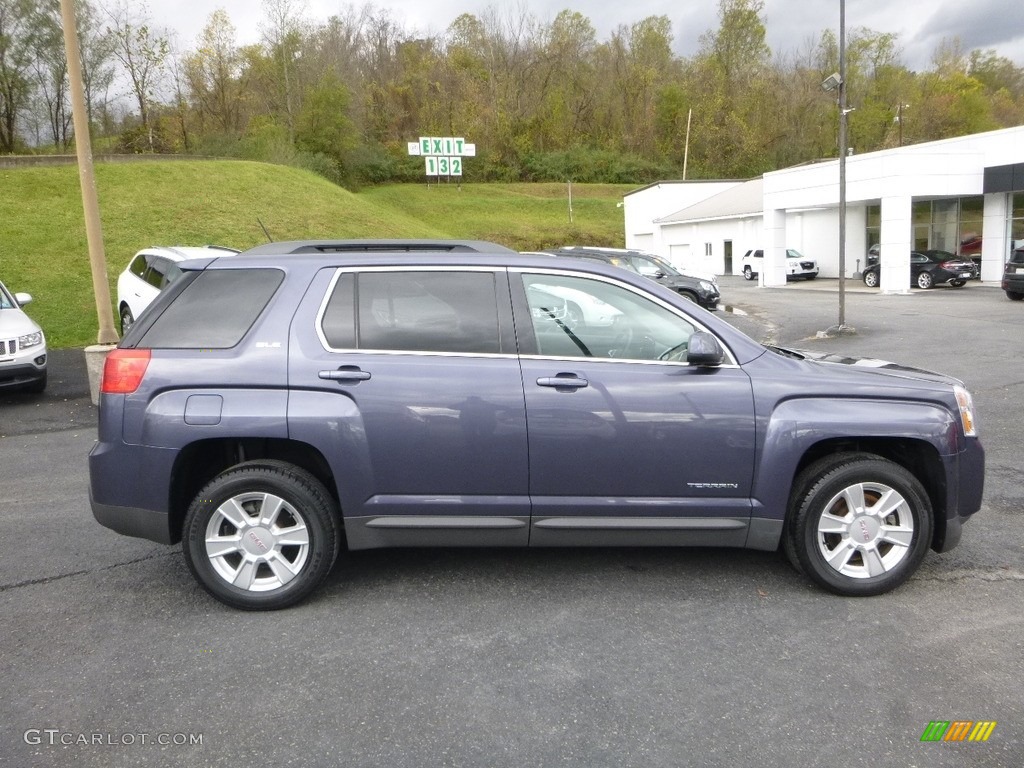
414 311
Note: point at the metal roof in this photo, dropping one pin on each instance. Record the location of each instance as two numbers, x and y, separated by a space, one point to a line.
745 199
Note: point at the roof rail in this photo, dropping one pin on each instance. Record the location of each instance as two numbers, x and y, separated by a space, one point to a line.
379 246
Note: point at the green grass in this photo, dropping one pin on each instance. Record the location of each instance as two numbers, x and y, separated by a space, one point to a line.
521 216
43 249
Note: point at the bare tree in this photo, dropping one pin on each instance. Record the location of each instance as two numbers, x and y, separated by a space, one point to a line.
283 35
142 54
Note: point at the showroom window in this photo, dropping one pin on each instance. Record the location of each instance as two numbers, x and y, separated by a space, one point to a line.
1017 221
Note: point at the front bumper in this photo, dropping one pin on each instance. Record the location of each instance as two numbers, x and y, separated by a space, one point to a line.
23 369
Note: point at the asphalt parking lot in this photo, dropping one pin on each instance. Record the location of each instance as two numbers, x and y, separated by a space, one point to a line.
113 656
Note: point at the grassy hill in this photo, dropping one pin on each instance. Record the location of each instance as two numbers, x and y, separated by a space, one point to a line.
43 248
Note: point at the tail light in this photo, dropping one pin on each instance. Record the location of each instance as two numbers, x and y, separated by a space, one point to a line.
123 370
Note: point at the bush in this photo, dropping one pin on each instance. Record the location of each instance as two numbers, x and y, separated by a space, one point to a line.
138 140
592 166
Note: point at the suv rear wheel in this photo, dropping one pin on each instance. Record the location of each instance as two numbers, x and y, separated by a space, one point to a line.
261 535
860 524
748 273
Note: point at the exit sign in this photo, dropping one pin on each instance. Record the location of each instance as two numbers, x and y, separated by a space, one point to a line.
442 155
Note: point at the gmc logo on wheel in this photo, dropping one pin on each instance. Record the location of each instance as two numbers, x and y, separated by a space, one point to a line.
257 540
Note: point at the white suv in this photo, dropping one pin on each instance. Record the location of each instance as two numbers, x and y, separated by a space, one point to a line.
797 265
150 271
22 345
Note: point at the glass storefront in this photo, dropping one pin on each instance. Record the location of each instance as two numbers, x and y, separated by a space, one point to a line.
1017 221
953 225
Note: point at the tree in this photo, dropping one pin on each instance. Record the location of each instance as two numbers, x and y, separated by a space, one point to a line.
214 74
96 45
322 126
735 129
16 61
283 36
141 53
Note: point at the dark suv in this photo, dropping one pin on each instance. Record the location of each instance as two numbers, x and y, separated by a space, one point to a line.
696 289
1013 275
274 407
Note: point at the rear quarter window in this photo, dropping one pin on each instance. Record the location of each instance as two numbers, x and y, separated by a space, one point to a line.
215 310
138 265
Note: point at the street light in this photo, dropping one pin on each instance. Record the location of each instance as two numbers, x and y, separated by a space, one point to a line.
837 82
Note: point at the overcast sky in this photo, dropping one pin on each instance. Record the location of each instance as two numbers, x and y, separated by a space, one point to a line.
920 25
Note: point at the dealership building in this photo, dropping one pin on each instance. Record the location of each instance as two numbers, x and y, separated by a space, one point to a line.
962 195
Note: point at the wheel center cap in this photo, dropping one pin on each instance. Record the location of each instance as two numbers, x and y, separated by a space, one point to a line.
257 541
864 530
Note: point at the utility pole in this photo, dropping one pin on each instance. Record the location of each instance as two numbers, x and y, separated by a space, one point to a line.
90 202
686 147
842 165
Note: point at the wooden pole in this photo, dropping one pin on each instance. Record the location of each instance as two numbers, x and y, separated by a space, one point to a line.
90 202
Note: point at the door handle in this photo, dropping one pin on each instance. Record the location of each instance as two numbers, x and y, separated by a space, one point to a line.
345 374
566 380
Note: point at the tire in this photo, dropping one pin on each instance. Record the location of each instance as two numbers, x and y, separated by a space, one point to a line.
126 319
871 279
239 570
748 274
894 505
957 283
811 277
925 281
1014 295
687 296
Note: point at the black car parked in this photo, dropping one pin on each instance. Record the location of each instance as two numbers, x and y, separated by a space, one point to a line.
695 289
1013 275
928 269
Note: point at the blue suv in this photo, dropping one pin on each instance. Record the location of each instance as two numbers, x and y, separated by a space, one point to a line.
276 406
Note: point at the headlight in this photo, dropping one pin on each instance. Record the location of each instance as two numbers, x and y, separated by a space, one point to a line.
30 340
706 285
966 405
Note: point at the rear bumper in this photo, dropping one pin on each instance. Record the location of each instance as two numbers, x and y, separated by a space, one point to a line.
132 521
1013 283
129 489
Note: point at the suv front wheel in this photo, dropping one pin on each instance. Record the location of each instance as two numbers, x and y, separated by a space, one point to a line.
261 535
859 524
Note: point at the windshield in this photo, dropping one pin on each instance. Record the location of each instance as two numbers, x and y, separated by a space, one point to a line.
6 300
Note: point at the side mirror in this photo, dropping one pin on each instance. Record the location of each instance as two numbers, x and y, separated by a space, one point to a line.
22 299
704 350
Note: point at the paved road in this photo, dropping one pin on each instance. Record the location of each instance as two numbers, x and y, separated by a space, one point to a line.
522 658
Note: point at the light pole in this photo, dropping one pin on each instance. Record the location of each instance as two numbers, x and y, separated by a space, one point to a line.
834 82
842 165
